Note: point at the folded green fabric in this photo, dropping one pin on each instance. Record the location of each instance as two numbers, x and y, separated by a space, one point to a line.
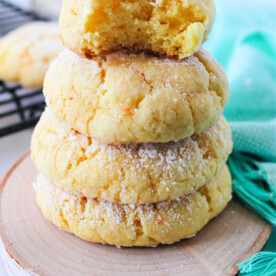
244 41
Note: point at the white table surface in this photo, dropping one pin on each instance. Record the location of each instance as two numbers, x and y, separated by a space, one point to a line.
11 148
2 272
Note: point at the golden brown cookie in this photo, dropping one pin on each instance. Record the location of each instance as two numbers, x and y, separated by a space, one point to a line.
25 53
134 225
134 173
172 28
126 98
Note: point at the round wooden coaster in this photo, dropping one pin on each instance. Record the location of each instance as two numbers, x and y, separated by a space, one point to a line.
35 246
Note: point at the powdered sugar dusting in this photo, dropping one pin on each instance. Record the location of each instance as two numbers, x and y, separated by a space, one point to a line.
82 208
165 165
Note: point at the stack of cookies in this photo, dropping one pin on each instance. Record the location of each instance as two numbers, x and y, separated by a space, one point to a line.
132 147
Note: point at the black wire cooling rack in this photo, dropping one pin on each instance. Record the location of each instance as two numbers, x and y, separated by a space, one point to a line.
20 108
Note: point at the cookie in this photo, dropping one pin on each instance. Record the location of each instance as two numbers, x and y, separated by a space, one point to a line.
171 28
125 98
134 173
105 222
25 53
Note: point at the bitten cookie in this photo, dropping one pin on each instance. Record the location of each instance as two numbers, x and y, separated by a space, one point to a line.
134 173
126 98
134 225
172 28
25 53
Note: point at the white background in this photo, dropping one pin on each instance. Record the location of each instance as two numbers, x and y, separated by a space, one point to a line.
11 148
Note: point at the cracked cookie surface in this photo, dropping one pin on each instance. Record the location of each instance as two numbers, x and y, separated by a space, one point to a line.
133 173
127 98
163 27
25 53
166 222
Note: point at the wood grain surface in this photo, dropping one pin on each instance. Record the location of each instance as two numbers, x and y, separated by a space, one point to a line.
39 247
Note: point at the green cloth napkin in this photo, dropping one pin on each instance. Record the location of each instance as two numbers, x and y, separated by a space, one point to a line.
243 39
